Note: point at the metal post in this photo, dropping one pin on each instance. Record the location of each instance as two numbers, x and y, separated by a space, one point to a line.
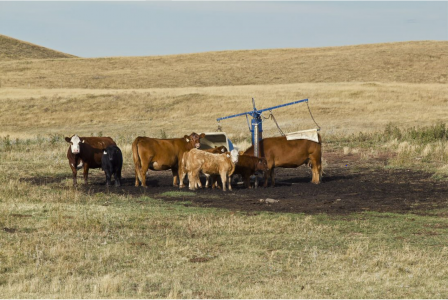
256 143
257 133
255 139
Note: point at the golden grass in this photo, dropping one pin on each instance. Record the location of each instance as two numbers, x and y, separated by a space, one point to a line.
339 108
412 62
58 242
71 245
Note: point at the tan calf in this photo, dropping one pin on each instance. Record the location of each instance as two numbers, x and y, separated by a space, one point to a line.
196 161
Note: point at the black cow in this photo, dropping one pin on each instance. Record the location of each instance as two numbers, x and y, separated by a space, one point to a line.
112 162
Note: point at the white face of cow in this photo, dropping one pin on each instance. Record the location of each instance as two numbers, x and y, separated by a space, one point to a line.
75 141
234 156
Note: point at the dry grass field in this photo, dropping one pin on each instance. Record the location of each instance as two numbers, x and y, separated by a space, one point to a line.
57 241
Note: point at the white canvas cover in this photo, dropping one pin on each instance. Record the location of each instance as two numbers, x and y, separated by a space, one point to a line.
310 134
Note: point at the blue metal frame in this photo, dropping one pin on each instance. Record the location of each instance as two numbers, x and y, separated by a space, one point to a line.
256 117
256 113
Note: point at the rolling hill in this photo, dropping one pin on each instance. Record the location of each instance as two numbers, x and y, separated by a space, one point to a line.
13 49
403 62
352 89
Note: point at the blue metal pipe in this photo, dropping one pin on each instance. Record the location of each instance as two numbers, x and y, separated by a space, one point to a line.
253 113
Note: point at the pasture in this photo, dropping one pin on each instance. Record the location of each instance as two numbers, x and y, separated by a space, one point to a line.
375 228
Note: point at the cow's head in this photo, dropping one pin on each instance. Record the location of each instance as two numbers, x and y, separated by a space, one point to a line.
221 149
74 143
112 152
194 139
233 155
262 164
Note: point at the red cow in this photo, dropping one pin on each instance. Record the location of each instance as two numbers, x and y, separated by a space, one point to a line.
161 154
283 153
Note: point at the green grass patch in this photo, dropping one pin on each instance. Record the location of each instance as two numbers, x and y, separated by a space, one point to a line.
178 194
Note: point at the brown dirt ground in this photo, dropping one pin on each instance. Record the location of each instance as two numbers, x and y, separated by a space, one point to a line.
349 185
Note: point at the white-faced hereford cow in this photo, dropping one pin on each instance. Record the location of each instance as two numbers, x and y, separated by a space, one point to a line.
161 154
196 161
86 153
283 153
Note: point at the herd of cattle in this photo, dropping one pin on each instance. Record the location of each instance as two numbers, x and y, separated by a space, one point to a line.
182 156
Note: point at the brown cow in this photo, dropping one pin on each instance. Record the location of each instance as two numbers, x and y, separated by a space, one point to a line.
86 152
196 161
161 154
279 152
248 165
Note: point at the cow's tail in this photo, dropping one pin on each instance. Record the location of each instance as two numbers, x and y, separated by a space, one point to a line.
137 160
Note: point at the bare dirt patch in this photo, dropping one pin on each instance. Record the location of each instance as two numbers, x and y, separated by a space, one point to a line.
348 186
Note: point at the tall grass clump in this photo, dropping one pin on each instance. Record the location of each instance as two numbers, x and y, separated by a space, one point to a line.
425 146
422 135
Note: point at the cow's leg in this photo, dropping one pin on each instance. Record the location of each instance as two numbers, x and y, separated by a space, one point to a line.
266 177
182 174
117 176
191 180
86 172
316 168
214 181
75 172
141 171
223 180
272 177
108 177
229 182
181 179
207 179
269 174
137 183
246 179
198 182
175 171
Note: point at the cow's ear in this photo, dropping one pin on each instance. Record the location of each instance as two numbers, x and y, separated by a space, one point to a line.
83 141
223 150
187 139
202 135
68 140
104 152
228 155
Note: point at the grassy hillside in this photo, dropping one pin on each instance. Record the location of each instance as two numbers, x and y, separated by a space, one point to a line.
410 62
340 109
13 49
